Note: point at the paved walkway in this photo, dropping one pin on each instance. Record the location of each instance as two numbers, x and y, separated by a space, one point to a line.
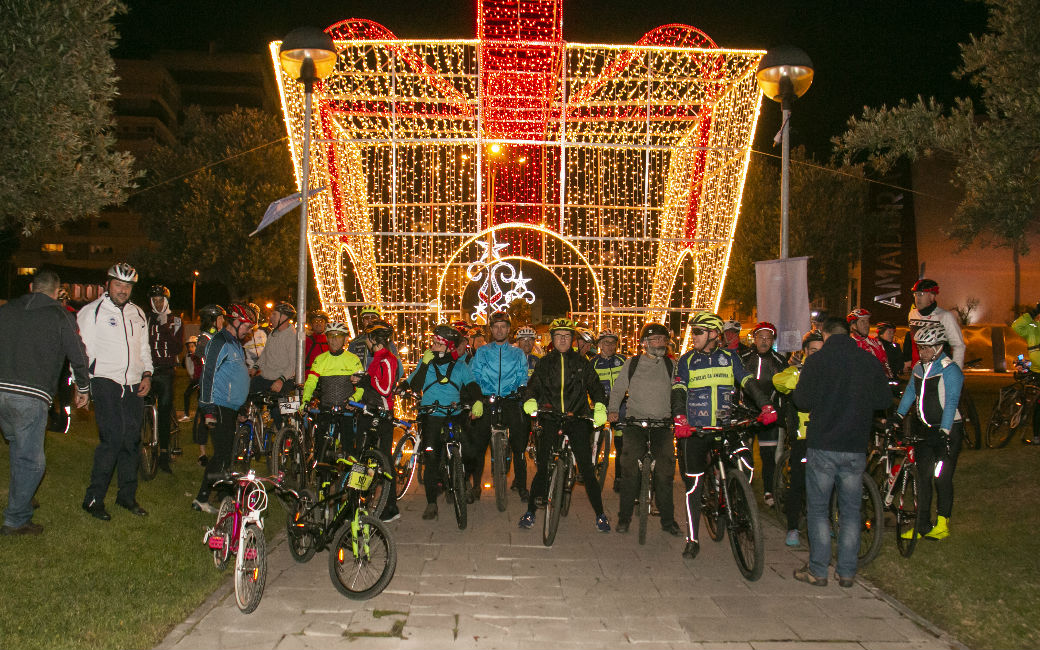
496 586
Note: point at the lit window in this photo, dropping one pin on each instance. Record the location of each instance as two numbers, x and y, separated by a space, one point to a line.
26 270
52 248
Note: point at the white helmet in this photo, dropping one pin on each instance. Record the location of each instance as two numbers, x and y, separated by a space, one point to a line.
526 332
931 334
607 334
123 272
731 325
338 327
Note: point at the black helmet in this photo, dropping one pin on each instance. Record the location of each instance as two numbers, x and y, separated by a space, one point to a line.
814 335
448 333
317 313
380 332
157 291
499 317
286 309
653 329
925 285
212 311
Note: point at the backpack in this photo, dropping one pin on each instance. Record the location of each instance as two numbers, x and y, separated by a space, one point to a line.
635 361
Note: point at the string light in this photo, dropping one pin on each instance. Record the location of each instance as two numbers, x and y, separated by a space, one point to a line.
619 168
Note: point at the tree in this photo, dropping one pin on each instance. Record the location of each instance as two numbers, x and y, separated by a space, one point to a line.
994 150
206 193
827 223
57 82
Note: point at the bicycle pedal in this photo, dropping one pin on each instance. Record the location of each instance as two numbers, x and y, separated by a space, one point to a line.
216 542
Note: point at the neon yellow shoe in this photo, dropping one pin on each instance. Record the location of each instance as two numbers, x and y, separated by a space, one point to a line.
941 530
909 534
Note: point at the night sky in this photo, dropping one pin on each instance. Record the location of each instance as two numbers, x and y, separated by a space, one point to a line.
864 53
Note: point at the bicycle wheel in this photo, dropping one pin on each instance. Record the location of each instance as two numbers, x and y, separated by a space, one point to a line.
260 444
970 415
554 503
251 569
225 527
458 483
872 518
906 510
1007 415
745 535
282 449
644 497
710 502
405 460
302 545
363 558
374 499
500 468
781 484
149 464
601 455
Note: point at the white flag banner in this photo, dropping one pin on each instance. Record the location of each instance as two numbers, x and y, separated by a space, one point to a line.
782 289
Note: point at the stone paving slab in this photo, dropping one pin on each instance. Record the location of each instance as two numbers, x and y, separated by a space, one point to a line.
494 586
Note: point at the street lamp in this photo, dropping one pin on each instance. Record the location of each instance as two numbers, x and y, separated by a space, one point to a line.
307 54
784 74
194 281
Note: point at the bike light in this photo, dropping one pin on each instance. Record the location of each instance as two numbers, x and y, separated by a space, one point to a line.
256 574
339 556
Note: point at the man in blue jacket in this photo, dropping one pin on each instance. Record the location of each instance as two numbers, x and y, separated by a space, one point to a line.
840 387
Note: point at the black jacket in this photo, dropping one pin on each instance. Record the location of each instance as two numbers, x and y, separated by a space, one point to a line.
762 367
840 387
569 377
36 335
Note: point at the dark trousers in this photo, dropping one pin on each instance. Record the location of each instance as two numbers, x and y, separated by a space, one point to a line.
693 462
386 445
795 496
162 389
480 437
118 412
767 439
193 388
619 446
663 449
580 434
223 436
928 454
432 446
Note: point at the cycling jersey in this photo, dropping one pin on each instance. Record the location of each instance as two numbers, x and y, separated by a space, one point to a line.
567 382
225 377
254 347
705 383
532 361
607 369
499 368
785 382
314 345
165 339
328 364
873 346
934 392
762 367
1026 327
935 314
383 374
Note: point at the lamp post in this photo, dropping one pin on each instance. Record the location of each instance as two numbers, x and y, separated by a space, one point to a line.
784 74
194 281
307 54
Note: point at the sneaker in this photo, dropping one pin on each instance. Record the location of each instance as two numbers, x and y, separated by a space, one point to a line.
430 512
184 418
389 515
792 538
203 459
97 510
622 525
602 525
804 575
768 499
693 547
940 531
25 529
474 494
134 508
527 521
524 494
910 534
672 528
846 583
202 506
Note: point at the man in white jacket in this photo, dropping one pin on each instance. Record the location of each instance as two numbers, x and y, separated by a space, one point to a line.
115 333
926 311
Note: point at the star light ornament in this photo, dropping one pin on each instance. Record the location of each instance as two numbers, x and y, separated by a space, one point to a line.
496 274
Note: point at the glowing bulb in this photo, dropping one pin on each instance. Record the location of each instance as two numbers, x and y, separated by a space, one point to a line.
496 148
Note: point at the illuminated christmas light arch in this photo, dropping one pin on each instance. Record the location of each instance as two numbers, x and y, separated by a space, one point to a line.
632 156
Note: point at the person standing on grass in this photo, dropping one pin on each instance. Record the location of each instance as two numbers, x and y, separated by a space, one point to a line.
37 334
840 387
166 339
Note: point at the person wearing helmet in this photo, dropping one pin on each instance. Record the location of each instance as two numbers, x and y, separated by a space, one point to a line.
584 341
731 334
840 387
277 362
762 362
337 372
643 388
316 342
1028 327
526 339
223 389
166 340
886 334
564 382
115 333
254 346
441 378
360 344
859 329
383 371
607 364
706 379
932 394
925 310
211 321
785 382
500 370
476 338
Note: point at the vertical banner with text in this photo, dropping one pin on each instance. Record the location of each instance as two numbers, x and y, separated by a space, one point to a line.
888 267
782 290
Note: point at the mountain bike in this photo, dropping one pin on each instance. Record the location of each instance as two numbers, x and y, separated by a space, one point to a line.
289 449
646 469
252 437
1014 409
601 440
451 470
500 453
149 465
562 472
406 458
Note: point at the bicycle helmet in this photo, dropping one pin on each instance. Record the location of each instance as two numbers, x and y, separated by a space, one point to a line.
447 334
285 309
499 317
731 326
607 334
857 314
193 340
924 285
931 334
370 309
380 332
337 327
653 329
244 313
764 325
460 326
706 320
561 324
316 314
123 272
815 335
885 325
526 332
212 311
158 291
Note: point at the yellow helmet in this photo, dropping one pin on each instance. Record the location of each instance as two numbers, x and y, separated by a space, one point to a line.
707 320
561 324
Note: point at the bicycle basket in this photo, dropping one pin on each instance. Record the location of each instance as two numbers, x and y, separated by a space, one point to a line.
360 477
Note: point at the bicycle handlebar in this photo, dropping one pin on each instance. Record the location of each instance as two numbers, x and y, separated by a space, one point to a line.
645 422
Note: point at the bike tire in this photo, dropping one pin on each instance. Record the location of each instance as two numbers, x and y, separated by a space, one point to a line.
251 569
906 510
458 483
872 516
375 498
710 502
363 558
970 417
302 545
225 527
260 444
500 468
1007 416
745 535
781 484
554 504
601 456
406 461
644 497
282 451
149 465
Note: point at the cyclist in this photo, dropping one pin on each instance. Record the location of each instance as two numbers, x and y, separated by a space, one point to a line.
277 363
332 371
584 341
254 345
646 379
607 364
223 389
762 362
115 333
211 321
785 382
316 342
706 379
565 381
359 344
500 370
383 372
859 329
525 340
933 392
924 311
731 333
440 378
1028 327
886 333
476 339
165 339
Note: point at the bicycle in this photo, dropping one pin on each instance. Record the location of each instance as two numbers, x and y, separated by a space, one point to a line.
901 481
601 441
646 469
1013 409
451 470
288 450
500 453
970 415
252 437
406 457
149 465
561 477
727 494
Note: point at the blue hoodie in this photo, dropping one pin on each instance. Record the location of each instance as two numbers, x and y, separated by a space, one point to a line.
225 377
